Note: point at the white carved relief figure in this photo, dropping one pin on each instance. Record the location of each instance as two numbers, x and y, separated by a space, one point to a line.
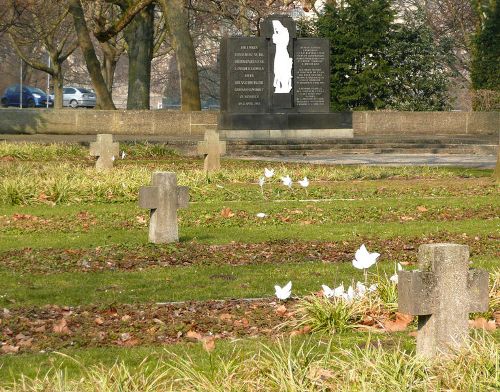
282 60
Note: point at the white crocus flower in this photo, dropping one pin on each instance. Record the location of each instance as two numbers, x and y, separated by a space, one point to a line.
268 172
363 259
394 278
283 293
360 289
287 181
304 183
349 295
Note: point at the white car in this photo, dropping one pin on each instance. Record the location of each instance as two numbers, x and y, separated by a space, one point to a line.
78 97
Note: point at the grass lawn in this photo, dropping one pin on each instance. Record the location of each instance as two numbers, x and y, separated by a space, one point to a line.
77 275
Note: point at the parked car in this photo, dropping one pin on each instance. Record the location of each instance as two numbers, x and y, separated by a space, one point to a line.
78 97
31 97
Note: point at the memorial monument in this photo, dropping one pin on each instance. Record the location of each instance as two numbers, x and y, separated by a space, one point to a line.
278 82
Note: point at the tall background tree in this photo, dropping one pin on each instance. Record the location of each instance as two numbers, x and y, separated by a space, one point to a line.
359 32
136 20
419 73
384 56
104 99
485 71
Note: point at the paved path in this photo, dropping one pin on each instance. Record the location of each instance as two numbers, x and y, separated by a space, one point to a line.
472 161
459 160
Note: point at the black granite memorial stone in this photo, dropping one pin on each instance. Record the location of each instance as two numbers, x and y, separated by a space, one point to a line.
246 75
312 75
277 81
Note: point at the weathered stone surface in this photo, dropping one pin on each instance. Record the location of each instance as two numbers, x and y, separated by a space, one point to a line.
179 124
212 148
442 293
477 286
105 150
416 292
163 198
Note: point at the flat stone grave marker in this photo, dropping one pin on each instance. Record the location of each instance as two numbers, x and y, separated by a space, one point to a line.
105 150
163 198
212 148
442 293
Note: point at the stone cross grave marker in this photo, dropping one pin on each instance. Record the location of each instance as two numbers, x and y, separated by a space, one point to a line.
212 148
163 198
442 293
105 150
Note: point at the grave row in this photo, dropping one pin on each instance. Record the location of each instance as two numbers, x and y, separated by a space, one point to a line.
106 151
442 292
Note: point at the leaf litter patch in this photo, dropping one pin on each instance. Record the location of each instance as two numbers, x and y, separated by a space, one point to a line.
52 328
125 258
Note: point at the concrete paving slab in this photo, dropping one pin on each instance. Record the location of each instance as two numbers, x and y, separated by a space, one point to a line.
472 161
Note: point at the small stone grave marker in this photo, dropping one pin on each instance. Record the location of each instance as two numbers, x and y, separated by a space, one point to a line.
212 148
105 150
442 293
163 198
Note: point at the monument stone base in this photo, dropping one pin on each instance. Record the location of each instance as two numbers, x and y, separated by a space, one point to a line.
283 134
285 121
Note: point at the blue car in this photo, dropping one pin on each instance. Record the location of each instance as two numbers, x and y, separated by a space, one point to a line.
32 97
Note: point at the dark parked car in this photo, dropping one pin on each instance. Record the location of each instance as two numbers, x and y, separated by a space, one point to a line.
32 97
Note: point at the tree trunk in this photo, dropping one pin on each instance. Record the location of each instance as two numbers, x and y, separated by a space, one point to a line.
57 80
104 100
108 66
177 20
139 37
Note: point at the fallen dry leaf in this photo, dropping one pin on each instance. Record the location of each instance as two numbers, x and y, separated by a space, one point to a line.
131 342
8 349
281 310
209 344
319 374
99 321
40 329
421 208
26 343
140 219
61 327
400 324
226 213
193 335
225 316
482 323
301 331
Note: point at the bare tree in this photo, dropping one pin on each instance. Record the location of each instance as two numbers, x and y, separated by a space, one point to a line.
177 18
48 27
104 100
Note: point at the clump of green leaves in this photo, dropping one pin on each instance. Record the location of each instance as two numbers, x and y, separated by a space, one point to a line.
329 315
